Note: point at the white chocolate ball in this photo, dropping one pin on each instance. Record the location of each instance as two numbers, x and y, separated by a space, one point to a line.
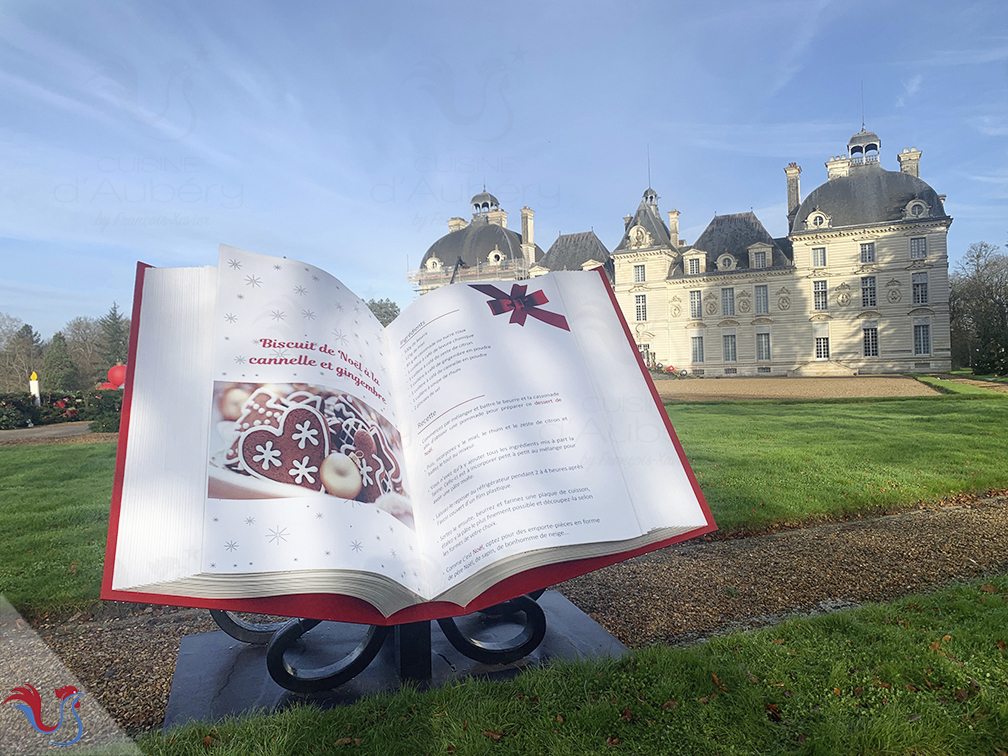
232 402
340 476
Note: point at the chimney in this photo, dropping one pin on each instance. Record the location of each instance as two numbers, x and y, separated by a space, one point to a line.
626 221
909 161
838 167
673 227
456 224
793 191
528 235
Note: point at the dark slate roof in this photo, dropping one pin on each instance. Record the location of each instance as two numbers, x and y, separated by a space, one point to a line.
734 234
869 195
571 251
864 138
484 198
648 217
475 242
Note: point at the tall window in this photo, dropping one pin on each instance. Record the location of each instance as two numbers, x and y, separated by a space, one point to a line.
759 259
822 347
870 338
730 354
762 300
818 257
762 346
918 248
920 288
868 252
819 295
694 266
868 291
727 302
922 339
695 305
641 301
696 342
638 273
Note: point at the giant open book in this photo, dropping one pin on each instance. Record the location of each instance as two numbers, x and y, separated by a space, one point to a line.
282 452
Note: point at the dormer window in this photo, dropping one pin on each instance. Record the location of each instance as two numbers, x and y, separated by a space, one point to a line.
693 266
726 262
433 264
759 258
818 219
496 257
916 209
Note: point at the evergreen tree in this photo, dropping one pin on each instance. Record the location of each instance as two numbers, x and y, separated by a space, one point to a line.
59 373
384 309
115 337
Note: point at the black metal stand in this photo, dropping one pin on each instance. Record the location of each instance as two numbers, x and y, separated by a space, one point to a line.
412 644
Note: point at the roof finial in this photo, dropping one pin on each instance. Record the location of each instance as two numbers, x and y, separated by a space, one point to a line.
862 105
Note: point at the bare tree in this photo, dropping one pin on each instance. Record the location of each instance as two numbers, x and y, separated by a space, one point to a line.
978 304
83 336
22 355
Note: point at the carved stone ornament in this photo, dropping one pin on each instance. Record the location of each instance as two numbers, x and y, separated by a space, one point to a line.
894 296
676 311
744 306
784 303
844 299
639 238
784 291
711 308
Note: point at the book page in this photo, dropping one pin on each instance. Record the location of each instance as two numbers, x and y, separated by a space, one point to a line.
653 469
305 462
499 416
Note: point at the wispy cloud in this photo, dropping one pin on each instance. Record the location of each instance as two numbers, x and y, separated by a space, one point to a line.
910 88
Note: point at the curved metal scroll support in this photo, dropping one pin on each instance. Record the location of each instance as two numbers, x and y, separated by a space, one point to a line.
521 645
320 678
508 608
257 633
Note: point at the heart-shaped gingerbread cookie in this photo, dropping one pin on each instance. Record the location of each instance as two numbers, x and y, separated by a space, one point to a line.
290 453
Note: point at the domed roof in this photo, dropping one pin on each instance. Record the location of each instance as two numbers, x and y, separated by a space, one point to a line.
869 195
476 243
650 195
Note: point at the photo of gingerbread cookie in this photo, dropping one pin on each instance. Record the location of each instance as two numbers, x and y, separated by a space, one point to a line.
292 452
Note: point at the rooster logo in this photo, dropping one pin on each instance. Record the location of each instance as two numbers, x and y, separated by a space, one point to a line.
31 707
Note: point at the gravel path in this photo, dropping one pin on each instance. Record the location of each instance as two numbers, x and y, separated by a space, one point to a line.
714 389
125 654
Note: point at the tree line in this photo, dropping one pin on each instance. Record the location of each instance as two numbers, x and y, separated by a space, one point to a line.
978 310
77 357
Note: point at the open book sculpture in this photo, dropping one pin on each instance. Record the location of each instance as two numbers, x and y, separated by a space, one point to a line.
281 452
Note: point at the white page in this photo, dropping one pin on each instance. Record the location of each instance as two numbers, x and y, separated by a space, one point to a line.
645 454
291 342
161 508
489 408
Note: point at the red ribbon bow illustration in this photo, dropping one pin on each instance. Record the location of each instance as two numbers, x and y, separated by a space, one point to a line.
521 305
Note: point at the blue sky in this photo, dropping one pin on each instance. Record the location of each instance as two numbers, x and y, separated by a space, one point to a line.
346 135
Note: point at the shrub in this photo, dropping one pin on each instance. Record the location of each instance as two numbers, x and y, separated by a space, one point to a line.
107 423
17 411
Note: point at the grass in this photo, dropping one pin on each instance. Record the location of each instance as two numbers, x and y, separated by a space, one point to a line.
762 463
923 675
759 464
951 387
54 507
965 372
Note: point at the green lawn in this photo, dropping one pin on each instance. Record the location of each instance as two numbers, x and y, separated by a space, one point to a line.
762 463
54 507
923 675
758 464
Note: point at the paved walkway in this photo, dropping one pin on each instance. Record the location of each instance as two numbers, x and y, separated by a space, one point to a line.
58 430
